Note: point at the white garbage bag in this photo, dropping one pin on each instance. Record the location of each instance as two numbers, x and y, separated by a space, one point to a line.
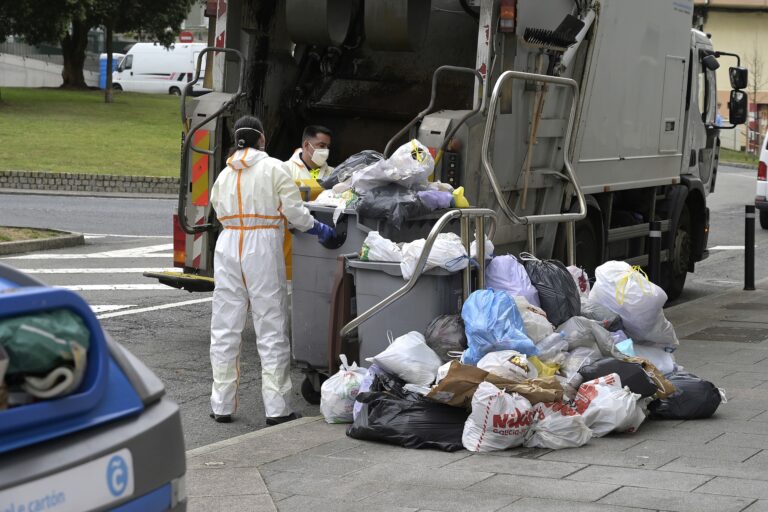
489 248
498 421
409 166
659 357
447 252
627 291
557 425
607 407
409 358
537 327
377 248
337 394
581 278
509 364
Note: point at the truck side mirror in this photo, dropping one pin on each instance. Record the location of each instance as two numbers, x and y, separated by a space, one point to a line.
739 77
710 61
737 107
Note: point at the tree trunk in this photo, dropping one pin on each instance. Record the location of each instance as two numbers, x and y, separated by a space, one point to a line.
73 47
108 88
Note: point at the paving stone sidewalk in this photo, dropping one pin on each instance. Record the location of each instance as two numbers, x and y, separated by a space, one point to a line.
719 464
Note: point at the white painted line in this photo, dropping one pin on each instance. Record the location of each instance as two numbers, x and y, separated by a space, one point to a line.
154 308
115 287
151 251
110 307
104 235
728 248
97 270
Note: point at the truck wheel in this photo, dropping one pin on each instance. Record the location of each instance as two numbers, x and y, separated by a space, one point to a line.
308 391
674 271
175 91
764 219
117 87
587 251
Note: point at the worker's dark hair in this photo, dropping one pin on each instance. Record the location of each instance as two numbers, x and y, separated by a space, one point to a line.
248 131
312 130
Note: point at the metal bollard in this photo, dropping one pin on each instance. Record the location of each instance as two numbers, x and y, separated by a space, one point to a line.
749 248
654 251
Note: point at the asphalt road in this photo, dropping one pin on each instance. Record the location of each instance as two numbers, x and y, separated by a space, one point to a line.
169 329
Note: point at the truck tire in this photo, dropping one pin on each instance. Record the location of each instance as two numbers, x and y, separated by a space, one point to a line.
588 251
764 219
308 391
117 87
174 91
674 271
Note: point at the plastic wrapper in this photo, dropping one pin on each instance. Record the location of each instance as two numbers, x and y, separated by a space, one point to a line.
508 364
594 311
409 358
365 386
632 375
391 202
557 425
377 248
498 420
558 294
577 332
445 335
337 394
351 165
551 346
507 274
694 399
626 290
409 167
447 252
492 322
537 327
579 357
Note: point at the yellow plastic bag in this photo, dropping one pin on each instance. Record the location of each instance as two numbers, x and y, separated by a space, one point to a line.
459 199
544 369
314 188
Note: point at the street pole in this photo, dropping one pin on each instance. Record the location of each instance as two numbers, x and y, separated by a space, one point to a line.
749 248
654 251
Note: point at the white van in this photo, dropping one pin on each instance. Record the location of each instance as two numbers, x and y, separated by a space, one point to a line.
150 67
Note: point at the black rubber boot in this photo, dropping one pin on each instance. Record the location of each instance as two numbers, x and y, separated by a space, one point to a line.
222 418
283 419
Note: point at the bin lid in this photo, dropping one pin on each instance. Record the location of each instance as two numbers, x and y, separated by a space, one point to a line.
390 267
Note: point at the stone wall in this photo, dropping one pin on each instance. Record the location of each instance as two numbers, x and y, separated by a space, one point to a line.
78 182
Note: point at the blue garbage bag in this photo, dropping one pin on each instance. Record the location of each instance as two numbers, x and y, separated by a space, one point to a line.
491 323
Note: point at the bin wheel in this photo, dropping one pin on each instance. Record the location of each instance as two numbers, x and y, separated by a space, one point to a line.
308 390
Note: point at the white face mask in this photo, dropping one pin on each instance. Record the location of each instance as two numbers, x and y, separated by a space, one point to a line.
319 156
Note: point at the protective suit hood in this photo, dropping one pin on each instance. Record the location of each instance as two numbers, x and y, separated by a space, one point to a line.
244 158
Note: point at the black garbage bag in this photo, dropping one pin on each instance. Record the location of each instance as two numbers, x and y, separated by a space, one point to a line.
411 422
391 202
694 399
631 374
610 321
558 293
348 167
446 334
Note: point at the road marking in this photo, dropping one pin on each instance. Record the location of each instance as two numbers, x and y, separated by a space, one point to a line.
135 252
105 235
728 248
154 308
115 287
110 307
96 270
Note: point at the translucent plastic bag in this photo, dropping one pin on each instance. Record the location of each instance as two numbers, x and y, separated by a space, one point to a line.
507 274
377 248
409 358
337 394
581 278
607 407
537 327
351 165
498 420
579 357
577 332
445 334
557 425
508 364
558 294
447 252
492 322
409 166
594 311
627 291
551 346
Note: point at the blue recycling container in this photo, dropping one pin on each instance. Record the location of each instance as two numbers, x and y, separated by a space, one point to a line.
116 57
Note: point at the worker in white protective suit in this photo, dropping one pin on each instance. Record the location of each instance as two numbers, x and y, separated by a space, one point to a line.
253 196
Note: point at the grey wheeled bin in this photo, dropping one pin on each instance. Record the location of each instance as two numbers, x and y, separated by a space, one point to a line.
437 292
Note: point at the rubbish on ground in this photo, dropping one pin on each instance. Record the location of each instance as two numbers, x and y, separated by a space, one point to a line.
508 364
632 375
594 311
579 357
365 386
626 347
409 358
537 327
337 394
558 294
627 291
577 331
557 425
377 248
447 252
499 420
545 369
551 346
660 358
445 335
492 322
694 399
581 278
506 273
607 407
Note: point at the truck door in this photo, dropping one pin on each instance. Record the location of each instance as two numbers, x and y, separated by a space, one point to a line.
702 133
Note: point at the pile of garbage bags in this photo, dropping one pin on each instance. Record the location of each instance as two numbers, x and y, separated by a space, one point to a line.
394 189
543 361
42 356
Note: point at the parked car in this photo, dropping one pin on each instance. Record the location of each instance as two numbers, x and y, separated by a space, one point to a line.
153 68
761 195
111 440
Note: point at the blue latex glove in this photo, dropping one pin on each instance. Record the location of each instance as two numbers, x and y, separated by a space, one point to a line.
323 232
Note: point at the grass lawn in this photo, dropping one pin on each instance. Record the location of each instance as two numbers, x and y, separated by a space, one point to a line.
17 234
75 131
729 155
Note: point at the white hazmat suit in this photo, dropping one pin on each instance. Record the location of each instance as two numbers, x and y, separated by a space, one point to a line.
253 196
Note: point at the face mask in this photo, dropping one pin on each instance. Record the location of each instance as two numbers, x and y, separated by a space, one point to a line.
319 156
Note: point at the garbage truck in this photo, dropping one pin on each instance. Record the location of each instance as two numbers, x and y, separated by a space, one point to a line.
575 122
